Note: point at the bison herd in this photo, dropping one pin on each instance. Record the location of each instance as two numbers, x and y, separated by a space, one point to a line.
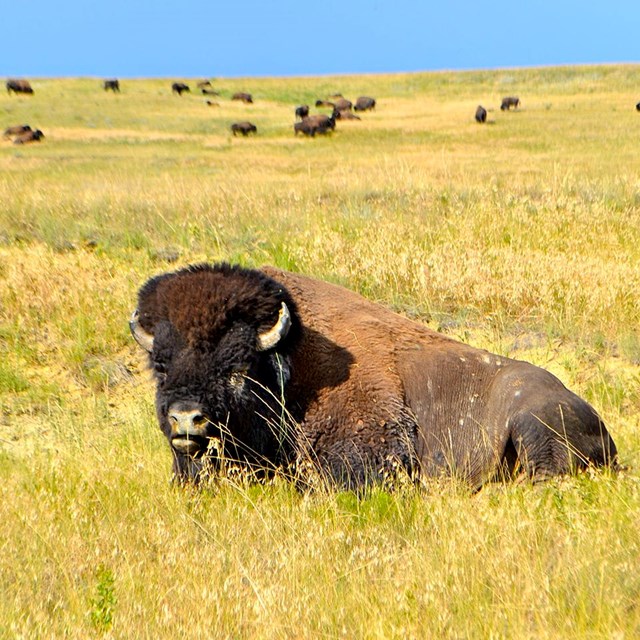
308 124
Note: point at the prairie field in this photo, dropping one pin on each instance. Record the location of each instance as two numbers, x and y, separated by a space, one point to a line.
521 236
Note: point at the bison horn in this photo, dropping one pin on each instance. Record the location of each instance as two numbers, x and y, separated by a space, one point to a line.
270 339
144 339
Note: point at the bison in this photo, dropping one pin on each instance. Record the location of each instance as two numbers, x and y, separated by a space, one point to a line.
508 102
180 88
19 86
317 123
16 130
325 103
243 97
302 111
345 114
342 104
245 128
209 92
638 107
113 85
29 136
271 369
364 103
481 114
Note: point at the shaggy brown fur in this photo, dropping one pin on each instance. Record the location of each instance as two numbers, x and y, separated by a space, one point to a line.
368 389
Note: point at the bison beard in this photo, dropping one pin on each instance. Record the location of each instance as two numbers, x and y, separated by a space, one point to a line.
270 369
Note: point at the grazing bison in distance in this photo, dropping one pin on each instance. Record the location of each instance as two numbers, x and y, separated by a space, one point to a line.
317 123
209 92
16 130
638 107
29 136
245 128
364 103
508 102
342 104
345 114
113 85
271 369
243 97
180 88
325 103
302 111
19 86
481 114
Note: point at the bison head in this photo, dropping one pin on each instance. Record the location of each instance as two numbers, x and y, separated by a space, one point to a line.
218 339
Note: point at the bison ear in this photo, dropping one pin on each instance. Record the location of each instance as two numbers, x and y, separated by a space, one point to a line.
270 338
144 339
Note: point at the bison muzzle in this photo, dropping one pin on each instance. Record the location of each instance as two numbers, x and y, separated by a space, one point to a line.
276 370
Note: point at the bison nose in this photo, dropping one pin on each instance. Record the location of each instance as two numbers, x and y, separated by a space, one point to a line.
187 421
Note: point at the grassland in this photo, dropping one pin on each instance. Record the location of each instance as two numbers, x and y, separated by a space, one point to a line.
520 236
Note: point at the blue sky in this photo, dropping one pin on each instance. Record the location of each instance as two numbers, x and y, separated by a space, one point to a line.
232 38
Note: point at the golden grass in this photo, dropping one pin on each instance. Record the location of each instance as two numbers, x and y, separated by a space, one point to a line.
519 236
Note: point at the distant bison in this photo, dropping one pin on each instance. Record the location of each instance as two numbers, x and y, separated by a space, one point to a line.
638 107
180 88
212 104
344 114
204 83
29 136
270 369
16 130
481 114
209 92
508 102
364 103
325 103
245 128
19 86
243 97
113 85
342 104
318 123
302 111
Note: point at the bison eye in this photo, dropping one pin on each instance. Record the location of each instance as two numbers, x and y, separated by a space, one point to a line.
160 368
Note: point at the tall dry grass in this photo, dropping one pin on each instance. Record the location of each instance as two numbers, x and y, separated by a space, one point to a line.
519 236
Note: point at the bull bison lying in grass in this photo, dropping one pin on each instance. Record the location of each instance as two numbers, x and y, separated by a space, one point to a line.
270 369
